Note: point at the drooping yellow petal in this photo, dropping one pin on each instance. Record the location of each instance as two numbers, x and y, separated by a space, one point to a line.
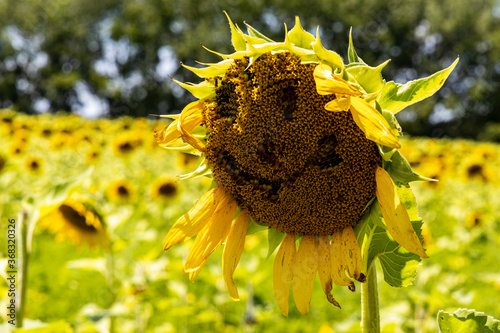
232 253
183 126
352 254
212 235
337 261
192 118
194 274
341 103
327 83
304 267
282 272
325 269
372 123
193 221
395 214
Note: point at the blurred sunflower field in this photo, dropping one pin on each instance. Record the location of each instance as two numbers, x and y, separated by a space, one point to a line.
101 196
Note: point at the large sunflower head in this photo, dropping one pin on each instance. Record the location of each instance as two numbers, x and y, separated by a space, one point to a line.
303 144
78 223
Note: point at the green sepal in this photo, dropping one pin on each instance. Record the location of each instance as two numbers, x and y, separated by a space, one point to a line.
201 90
465 320
399 265
274 239
234 55
351 52
256 34
237 39
395 97
401 171
369 78
299 37
329 57
254 226
202 170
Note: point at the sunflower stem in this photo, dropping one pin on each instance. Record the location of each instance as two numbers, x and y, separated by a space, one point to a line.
370 316
23 258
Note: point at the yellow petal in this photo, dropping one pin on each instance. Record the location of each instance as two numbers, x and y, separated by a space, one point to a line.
193 221
352 254
337 261
372 123
282 272
212 235
327 83
325 268
232 253
339 104
183 126
304 268
192 118
194 274
395 214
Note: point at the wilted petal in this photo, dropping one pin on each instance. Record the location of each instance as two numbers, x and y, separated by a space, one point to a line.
214 233
372 123
232 253
304 267
193 221
337 260
282 272
395 214
327 83
352 254
325 268
341 103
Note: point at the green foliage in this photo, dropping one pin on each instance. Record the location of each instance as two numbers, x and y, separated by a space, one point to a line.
464 320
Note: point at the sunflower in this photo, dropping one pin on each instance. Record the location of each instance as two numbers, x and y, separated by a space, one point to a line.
125 144
76 222
164 189
33 164
121 191
302 144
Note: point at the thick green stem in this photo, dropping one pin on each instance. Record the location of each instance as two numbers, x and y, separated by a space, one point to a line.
23 259
370 316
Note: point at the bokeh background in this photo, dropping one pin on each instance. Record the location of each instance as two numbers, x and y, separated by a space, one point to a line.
78 82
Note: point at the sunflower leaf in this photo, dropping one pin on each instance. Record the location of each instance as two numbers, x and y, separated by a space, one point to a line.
299 37
399 265
401 171
369 78
274 238
464 320
254 226
351 52
395 96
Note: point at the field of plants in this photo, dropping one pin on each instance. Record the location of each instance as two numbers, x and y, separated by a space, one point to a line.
113 276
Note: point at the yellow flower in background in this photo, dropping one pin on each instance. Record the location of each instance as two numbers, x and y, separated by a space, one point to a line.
121 191
300 143
33 164
164 189
77 223
17 148
92 155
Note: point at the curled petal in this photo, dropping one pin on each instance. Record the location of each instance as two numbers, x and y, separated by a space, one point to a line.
337 261
327 83
395 214
341 103
183 126
193 221
325 269
232 253
352 254
372 123
282 272
212 235
305 266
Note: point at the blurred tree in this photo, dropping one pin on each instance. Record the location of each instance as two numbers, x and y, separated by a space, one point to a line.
62 54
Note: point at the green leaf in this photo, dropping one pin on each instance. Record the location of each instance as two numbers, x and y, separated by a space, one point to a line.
369 78
237 39
329 57
465 320
399 265
300 37
274 238
351 52
401 171
395 97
